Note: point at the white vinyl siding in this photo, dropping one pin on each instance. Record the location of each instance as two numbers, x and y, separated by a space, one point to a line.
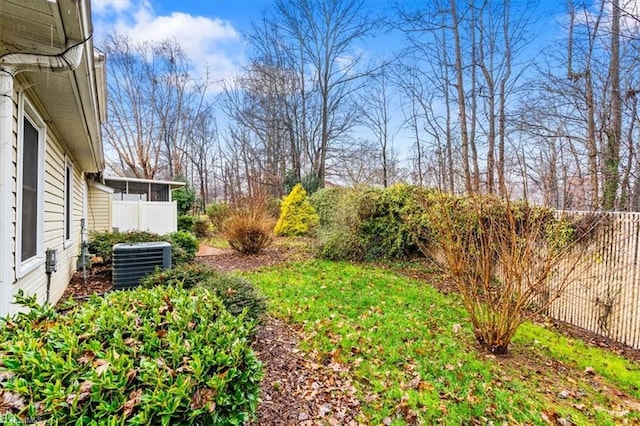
56 162
99 207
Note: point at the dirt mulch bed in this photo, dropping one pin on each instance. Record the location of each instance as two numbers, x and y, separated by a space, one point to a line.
296 389
227 260
96 280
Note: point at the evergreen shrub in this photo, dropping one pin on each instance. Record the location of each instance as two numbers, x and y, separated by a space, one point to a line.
186 222
201 227
297 215
237 294
101 243
164 355
217 213
184 246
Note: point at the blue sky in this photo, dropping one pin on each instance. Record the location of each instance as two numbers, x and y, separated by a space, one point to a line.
210 31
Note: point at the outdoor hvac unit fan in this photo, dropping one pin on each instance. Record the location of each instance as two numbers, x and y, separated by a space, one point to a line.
132 261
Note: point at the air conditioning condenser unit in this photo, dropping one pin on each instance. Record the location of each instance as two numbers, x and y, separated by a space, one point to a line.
132 261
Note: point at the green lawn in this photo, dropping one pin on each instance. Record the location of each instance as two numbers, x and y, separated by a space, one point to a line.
411 352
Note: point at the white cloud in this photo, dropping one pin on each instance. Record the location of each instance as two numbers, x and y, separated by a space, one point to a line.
102 6
629 13
207 41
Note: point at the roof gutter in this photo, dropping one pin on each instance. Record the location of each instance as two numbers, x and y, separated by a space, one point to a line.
68 60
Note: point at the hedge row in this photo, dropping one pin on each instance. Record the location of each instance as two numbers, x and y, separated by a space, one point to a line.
398 222
184 245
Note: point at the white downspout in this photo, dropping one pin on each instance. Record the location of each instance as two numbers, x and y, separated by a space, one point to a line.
11 65
7 267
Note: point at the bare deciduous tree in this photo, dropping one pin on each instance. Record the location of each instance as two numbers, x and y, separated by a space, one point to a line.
376 116
472 54
508 261
154 107
327 32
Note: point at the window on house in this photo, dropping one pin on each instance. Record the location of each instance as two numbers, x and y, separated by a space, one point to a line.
68 201
31 187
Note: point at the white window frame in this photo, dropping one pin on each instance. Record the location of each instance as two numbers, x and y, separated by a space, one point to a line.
68 203
27 111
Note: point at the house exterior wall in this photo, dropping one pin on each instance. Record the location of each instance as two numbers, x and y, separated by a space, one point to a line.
100 207
53 236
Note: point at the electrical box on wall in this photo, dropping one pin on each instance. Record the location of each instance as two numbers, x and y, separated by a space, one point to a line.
51 261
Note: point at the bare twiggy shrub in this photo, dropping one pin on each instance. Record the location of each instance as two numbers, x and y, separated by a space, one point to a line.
249 228
502 257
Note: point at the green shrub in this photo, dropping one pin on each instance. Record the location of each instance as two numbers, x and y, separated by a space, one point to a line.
217 213
236 293
367 223
383 216
248 230
201 227
147 356
325 201
186 222
186 275
184 246
338 237
184 197
101 243
297 215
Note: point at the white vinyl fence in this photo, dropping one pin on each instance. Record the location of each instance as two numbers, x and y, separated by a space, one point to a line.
154 216
603 295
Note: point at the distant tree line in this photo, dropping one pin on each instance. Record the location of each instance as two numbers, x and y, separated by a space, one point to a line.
483 109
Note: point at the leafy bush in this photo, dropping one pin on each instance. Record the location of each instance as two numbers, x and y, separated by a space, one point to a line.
101 243
338 238
217 213
186 222
201 227
297 215
501 256
184 246
146 356
383 216
248 230
367 223
184 197
325 201
236 293
186 275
